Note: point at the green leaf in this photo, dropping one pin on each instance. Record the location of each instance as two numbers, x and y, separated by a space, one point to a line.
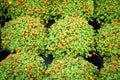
91 4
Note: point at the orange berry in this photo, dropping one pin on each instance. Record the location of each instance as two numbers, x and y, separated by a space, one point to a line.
37 74
63 79
10 69
94 53
47 72
68 76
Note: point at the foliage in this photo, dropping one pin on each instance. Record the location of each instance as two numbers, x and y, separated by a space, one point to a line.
47 9
103 10
30 66
1 8
108 40
107 10
77 7
21 66
111 69
70 68
71 35
23 34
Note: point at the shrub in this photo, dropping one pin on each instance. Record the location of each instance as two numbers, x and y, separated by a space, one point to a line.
111 69
70 68
23 34
30 66
71 35
69 39
107 10
77 7
46 9
1 8
21 66
108 40
2 13
34 8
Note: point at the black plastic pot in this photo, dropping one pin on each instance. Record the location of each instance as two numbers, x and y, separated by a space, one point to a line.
50 22
96 59
47 60
3 54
